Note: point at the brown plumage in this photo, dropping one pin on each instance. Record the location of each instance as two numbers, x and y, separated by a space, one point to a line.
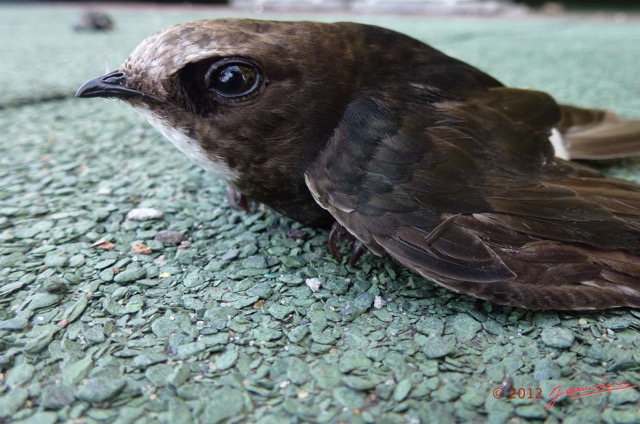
418 155
598 134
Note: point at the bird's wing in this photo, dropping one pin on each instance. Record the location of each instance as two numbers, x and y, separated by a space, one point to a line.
468 193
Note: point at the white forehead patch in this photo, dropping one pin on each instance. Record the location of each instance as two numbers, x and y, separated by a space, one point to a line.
190 147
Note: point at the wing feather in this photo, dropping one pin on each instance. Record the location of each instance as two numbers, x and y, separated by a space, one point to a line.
468 194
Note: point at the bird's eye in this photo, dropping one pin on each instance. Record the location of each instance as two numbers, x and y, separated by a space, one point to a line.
233 78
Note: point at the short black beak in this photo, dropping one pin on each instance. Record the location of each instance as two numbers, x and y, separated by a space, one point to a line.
110 85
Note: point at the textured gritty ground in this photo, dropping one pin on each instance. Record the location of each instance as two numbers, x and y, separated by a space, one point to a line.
225 327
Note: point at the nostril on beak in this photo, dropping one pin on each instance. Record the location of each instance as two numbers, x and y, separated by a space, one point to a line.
115 78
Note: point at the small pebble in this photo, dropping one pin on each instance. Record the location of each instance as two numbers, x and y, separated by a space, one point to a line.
226 360
55 260
298 234
144 214
557 337
20 375
40 417
532 412
438 347
141 249
12 401
169 237
129 276
57 396
104 245
313 283
379 302
402 390
100 389
465 328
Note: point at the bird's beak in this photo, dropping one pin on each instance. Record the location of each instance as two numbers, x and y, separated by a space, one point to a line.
111 85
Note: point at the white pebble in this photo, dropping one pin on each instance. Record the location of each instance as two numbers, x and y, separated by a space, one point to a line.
378 302
314 284
144 214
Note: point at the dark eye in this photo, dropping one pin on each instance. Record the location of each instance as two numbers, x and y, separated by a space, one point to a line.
232 78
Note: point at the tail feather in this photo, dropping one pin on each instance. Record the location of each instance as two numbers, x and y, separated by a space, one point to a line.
598 134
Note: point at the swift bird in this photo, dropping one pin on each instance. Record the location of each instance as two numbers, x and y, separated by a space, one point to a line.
418 155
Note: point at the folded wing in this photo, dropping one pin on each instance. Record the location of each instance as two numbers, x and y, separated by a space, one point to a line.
468 193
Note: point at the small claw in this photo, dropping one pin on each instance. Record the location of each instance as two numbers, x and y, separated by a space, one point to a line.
335 235
338 234
238 200
359 249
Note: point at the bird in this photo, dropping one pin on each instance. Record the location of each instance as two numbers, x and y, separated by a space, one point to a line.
414 154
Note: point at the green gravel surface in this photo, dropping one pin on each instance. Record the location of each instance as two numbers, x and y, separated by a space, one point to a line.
205 314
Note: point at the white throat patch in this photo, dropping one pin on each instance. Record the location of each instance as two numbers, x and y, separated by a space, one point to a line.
190 147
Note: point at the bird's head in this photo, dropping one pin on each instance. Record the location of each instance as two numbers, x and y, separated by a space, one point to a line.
242 98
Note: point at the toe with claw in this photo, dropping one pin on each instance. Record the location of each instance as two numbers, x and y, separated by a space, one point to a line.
338 234
238 200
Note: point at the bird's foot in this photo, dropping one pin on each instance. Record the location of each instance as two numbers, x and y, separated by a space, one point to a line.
339 234
238 200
